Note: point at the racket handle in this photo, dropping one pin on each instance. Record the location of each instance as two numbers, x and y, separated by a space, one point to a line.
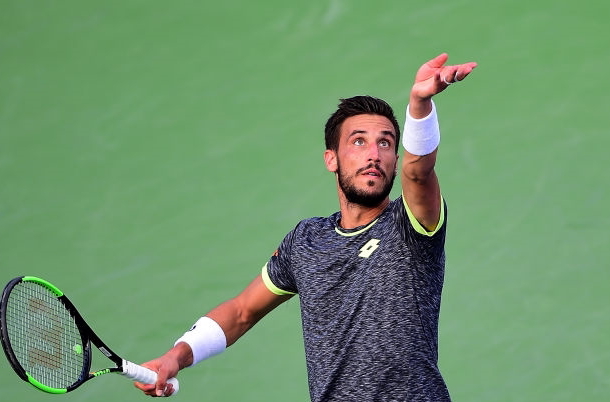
144 375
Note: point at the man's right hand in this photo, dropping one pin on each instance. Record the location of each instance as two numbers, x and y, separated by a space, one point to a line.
166 366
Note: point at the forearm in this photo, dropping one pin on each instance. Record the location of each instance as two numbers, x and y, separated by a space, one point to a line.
226 316
421 139
220 328
225 324
233 319
237 315
418 168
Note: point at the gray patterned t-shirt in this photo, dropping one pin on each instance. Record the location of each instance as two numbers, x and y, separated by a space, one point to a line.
370 301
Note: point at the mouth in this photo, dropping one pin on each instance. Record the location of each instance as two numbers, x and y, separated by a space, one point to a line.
372 171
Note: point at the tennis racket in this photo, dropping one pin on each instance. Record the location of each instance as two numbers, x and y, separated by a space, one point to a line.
48 343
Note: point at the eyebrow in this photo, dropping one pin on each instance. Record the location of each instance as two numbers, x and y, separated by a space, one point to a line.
384 132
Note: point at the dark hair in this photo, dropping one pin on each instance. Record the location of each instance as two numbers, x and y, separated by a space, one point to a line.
354 106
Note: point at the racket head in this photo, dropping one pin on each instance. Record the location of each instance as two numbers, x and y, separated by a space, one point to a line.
41 337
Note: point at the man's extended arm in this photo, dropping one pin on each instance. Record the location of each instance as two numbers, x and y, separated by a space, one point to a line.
234 317
419 182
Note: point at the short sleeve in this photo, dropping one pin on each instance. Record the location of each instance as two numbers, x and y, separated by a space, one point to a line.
277 272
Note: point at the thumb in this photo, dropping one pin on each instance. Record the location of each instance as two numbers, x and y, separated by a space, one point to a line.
161 383
438 61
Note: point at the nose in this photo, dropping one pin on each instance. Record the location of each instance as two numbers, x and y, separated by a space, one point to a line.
373 153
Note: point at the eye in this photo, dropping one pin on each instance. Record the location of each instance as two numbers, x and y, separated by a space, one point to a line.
385 143
358 141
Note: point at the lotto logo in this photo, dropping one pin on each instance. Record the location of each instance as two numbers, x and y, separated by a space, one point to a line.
369 248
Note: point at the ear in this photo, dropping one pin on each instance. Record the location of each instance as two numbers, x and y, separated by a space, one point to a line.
396 164
330 160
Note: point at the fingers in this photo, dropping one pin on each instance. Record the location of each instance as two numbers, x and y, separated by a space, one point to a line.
148 389
464 70
433 77
451 74
438 61
154 390
160 387
161 384
165 390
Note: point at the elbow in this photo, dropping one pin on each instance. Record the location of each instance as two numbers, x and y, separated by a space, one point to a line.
245 318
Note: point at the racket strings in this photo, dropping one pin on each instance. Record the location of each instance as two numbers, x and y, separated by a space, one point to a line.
44 336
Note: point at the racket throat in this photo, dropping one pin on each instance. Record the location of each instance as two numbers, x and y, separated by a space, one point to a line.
105 371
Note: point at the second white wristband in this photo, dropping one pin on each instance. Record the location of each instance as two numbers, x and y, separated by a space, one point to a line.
206 339
421 136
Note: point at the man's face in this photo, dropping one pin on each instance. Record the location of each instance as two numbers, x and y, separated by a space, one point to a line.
366 159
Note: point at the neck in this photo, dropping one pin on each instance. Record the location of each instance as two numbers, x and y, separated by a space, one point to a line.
354 215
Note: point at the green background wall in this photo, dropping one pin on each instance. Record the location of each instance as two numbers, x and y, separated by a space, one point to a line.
153 154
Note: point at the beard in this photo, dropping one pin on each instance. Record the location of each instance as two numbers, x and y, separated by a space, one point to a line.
366 198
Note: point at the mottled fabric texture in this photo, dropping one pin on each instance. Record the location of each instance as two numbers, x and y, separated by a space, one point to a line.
370 300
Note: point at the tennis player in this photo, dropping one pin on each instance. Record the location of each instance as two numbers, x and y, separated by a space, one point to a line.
369 277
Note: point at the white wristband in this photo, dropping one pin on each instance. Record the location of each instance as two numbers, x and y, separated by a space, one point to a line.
205 338
421 136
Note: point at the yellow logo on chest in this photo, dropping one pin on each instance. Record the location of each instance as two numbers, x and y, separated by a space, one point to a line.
369 248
